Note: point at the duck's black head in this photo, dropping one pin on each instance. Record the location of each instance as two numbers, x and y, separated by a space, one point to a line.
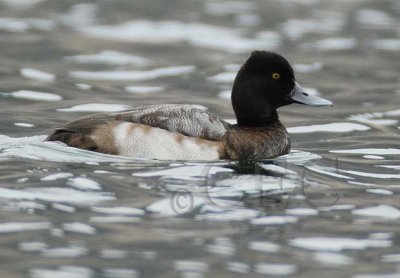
264 83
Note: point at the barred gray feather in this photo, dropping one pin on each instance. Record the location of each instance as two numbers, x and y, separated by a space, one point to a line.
185 119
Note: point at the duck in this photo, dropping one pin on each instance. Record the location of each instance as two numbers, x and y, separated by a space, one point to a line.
264 83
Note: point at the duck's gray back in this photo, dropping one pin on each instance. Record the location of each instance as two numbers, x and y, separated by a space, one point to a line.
185 119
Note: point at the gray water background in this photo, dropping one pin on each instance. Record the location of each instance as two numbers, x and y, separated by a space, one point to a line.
329 209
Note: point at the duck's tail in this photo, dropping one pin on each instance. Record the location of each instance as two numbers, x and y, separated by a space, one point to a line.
74 139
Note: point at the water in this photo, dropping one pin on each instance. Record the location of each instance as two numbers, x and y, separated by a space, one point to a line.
330 208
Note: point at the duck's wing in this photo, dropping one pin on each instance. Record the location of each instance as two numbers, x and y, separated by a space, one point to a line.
185 119
87 124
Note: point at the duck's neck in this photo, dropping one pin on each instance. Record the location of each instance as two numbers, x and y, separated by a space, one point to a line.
257 118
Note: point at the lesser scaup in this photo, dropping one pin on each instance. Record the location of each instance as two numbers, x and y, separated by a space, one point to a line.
183 132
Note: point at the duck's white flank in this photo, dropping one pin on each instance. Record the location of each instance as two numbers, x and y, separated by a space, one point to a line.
144 141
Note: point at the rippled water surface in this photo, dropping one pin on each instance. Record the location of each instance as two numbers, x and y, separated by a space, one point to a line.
328 209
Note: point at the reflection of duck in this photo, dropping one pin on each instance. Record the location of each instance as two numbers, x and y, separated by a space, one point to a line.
183 132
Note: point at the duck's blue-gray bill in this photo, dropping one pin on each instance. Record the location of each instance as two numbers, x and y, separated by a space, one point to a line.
300 95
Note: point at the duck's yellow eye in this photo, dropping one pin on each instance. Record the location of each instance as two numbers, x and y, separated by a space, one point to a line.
276 75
